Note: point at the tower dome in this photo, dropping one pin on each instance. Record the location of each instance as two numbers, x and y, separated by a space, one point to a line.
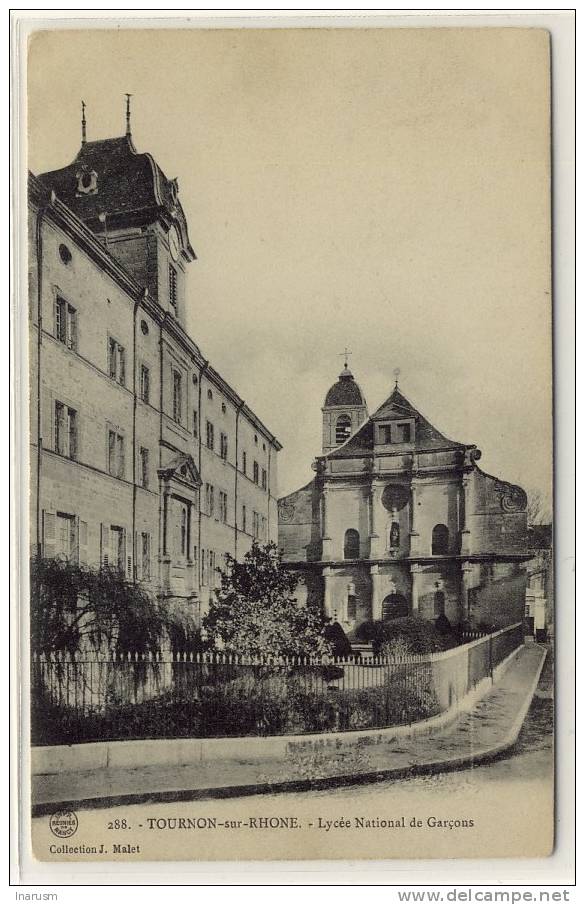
345 391
344 411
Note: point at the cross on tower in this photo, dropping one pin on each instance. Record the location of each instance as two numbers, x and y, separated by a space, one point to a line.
396 376
83 124
346 353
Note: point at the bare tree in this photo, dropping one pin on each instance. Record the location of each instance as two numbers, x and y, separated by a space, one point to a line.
537 510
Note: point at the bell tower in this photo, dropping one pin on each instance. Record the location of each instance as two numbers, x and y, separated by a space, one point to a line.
344 410
133 208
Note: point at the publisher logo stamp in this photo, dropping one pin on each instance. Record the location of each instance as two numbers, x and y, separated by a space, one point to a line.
63 824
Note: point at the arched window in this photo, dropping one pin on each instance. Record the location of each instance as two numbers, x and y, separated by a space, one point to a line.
351 544
394 606
342 428
351 604
440 543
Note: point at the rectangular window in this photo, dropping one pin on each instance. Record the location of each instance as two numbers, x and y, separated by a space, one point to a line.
213 576
65 430
183 535
256 524
203 567
145 556
210 440
117 542
66 536
244 463
116 454
264 479
116 361
144 383
402 433
65 323
144 470
244 518
209 499
195 423
223 446
177 397
385 434
173 287
256 472
223 507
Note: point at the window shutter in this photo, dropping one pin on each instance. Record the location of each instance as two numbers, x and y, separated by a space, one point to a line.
128 553
49 526
74 544
104 545
138 555
72 341
82 539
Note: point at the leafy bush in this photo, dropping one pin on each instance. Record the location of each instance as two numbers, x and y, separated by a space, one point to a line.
74 607
421 636
253 704
254 613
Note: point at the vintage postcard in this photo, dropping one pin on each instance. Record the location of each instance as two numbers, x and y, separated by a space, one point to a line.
290 425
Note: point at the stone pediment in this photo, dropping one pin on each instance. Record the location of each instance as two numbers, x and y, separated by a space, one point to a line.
395 408
183 468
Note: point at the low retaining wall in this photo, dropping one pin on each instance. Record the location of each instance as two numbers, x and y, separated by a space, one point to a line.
181 751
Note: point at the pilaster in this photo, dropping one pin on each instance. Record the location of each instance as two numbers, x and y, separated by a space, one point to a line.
376 592
414 533
415 577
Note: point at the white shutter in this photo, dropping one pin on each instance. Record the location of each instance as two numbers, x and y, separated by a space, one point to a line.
49 527
138 555
82 542
104 545
74 541
128 554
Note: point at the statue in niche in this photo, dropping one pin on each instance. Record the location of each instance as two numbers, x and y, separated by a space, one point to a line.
393 535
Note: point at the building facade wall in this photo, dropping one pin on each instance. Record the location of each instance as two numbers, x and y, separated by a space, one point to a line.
387 528
160 417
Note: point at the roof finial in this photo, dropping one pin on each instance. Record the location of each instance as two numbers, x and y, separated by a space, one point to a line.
346 353
83 124
396 376
128 129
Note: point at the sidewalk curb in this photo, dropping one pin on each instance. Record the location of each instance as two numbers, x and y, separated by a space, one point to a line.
459 762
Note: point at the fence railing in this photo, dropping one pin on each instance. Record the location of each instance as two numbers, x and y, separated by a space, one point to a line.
124 696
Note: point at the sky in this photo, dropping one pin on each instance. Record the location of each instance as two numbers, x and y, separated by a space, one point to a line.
381 189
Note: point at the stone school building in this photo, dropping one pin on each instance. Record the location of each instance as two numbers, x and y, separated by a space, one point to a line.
142 455
399 520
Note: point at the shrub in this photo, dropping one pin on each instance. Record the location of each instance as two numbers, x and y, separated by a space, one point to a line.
253 704
421 636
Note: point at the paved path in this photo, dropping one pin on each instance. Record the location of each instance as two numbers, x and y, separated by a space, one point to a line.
489 729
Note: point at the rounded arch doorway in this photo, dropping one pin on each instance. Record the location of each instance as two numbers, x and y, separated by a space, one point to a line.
394 606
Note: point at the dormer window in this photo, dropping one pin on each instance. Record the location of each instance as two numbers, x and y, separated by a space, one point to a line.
396 432
403 433
87 182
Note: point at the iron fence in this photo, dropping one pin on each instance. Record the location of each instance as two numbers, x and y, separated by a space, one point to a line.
98 698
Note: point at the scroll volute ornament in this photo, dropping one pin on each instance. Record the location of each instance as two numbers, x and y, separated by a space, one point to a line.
512 497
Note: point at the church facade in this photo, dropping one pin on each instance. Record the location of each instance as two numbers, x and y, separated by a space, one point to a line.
142 456
399 520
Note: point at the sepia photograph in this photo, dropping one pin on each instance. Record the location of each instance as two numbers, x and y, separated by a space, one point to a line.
290 426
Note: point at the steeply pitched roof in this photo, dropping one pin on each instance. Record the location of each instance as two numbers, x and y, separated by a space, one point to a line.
395 408
130 187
